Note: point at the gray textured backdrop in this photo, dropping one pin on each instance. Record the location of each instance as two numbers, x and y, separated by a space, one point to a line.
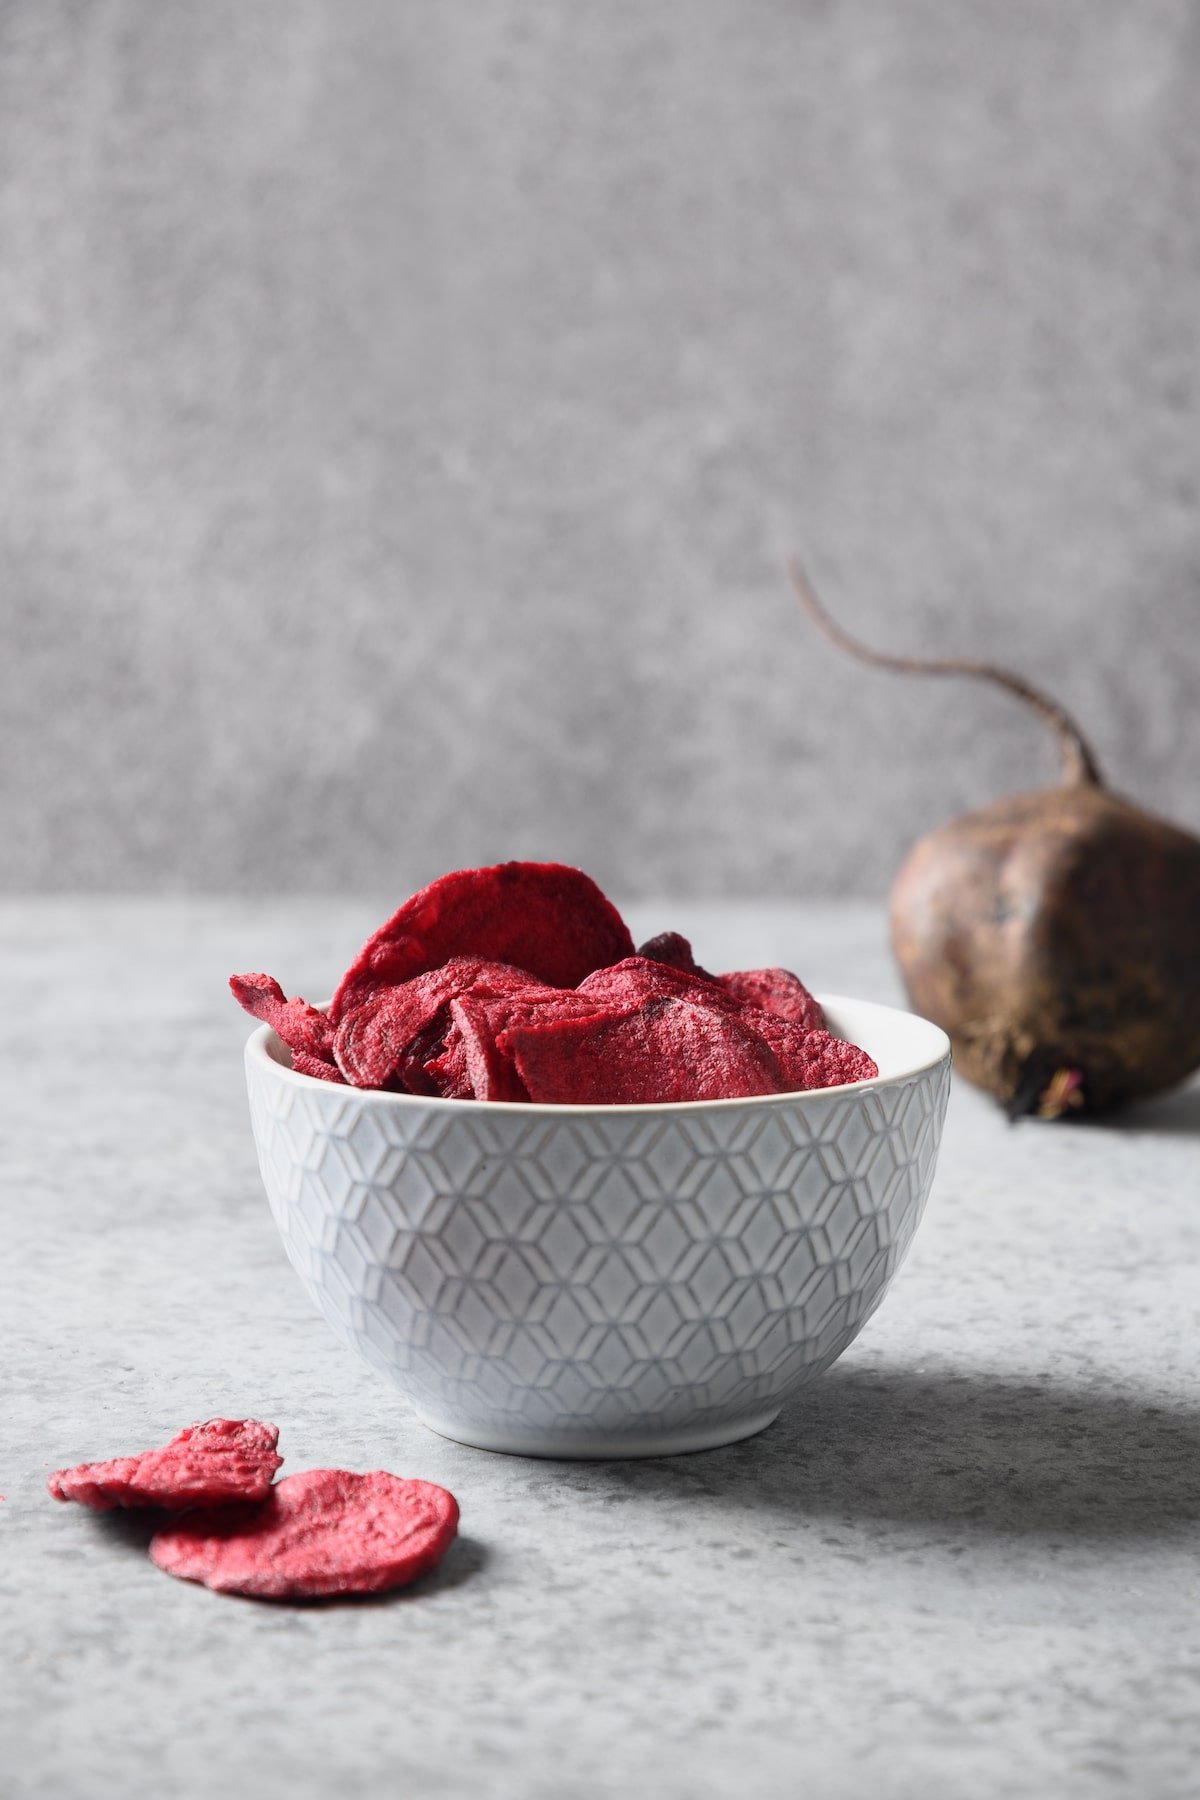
406 408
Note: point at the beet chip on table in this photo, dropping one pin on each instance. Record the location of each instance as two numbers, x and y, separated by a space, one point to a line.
215 1463
321 1533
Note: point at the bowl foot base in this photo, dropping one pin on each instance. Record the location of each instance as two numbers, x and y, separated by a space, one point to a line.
579 1446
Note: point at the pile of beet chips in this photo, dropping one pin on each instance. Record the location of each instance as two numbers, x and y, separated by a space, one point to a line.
229 1525
521 983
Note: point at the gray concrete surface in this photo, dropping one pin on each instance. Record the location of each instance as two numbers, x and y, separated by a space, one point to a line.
964 1563
405 409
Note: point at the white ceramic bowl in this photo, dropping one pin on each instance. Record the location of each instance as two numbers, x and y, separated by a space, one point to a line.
604 1280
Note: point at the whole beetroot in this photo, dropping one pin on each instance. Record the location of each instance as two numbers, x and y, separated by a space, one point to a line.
1055 936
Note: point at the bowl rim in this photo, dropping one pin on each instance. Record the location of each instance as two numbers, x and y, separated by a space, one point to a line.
258 1053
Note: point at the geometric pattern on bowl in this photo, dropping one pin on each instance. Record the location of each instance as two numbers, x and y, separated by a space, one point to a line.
595 1282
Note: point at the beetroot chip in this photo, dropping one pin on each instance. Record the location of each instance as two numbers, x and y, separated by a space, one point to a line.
532 1005
375 1037
389 1038
543 917
324 1532
811 1059
317 1067
670 948
664 1050
775 991
302 1027
479 1066
213 1464
639 978
448 1072
472 1065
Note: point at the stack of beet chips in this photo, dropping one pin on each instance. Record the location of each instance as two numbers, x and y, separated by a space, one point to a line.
521 983
236 1530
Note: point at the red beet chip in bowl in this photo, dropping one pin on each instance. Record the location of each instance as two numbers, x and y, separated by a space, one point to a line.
811 1059
672 948
302 1027
543 917
638 978
388 1036
324 1532
317 1067
214 1463
775 991
662 1050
